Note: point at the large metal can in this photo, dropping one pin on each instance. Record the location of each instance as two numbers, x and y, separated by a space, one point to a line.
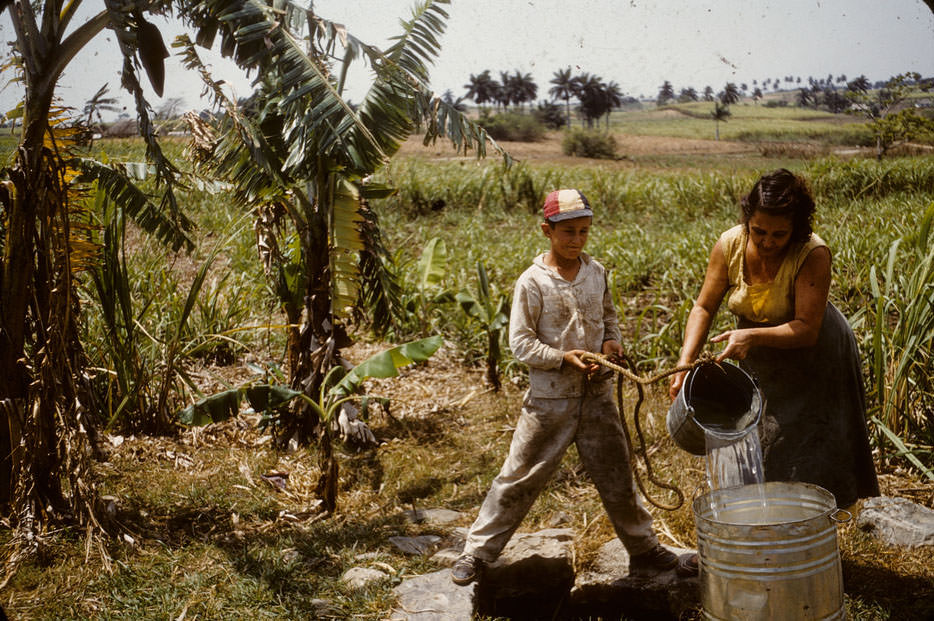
769 551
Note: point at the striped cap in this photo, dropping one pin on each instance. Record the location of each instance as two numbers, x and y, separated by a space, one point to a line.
566 204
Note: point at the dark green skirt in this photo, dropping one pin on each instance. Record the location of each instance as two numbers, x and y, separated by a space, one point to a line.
814 425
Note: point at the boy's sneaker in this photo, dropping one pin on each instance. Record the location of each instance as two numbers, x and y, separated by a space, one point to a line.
466 569
656 560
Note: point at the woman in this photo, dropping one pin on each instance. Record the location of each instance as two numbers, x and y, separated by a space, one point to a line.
796 344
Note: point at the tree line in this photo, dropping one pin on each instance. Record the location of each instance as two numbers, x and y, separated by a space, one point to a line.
596 98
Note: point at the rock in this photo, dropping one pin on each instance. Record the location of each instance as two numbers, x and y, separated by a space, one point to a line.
558 519
608 589
322 608
897 521
359 577
368 556
532 576
433 597
421 544
433 516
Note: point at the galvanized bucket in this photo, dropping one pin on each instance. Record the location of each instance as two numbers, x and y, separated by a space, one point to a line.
769 551
719 399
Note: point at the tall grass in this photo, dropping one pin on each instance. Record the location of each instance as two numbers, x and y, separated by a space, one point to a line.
654 233
902 319
152 316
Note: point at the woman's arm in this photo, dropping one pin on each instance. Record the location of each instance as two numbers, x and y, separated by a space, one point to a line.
812 286
716 283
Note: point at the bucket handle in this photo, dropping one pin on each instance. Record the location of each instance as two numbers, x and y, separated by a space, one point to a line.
835 516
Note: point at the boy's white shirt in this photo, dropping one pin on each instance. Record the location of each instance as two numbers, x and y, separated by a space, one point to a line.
550 316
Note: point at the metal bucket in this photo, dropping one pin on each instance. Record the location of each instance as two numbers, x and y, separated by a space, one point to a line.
719 399
769 551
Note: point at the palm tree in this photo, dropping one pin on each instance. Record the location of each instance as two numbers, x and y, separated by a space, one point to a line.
687 94
665 94
481 88
613 98
455 104
564 88
721 112
506 90
522 88
98 103
592 95
859 85
708 93
730 94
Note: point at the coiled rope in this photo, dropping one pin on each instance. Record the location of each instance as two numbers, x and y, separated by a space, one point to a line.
628 373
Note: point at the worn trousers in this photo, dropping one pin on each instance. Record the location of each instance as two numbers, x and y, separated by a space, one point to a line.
543 434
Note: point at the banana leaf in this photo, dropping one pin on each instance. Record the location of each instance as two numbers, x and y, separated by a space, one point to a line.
265 397
386 364
226 404
432 265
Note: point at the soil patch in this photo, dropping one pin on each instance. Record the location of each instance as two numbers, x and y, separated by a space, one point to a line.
549 149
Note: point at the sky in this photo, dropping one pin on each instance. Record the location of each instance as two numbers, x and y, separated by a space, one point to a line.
638 44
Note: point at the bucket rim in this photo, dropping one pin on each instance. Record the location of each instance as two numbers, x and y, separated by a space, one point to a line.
687 387
817 493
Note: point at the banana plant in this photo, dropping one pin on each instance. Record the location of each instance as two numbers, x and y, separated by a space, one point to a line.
430 271
337 392
301 154
491 312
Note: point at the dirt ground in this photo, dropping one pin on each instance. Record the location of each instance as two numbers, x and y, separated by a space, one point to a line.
549 149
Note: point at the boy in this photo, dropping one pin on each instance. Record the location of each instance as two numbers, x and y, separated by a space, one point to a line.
561 309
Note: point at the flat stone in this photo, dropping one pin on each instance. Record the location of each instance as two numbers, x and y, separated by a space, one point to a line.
359 577
433 516
421 544
558 519
322 607
897 521
433 597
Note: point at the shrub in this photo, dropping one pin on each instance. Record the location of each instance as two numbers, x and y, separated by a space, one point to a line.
512 126
589 143
551 115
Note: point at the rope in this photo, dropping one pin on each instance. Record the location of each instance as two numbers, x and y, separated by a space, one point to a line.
704 358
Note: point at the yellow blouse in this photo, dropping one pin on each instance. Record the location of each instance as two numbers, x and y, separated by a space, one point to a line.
772 302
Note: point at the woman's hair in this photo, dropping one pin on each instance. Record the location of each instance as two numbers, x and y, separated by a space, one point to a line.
782 193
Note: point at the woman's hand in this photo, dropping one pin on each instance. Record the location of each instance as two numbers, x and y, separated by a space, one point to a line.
674 386
738 343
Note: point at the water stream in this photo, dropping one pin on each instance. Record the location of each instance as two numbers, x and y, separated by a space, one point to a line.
732 462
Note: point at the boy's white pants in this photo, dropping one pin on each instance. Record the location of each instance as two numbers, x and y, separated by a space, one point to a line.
545 429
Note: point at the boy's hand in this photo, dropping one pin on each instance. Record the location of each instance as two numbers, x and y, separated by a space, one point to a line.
573 358
612 349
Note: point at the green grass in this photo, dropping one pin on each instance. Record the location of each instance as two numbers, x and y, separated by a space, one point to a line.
746 124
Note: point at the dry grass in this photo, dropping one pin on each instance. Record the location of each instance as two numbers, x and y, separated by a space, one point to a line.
207 536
